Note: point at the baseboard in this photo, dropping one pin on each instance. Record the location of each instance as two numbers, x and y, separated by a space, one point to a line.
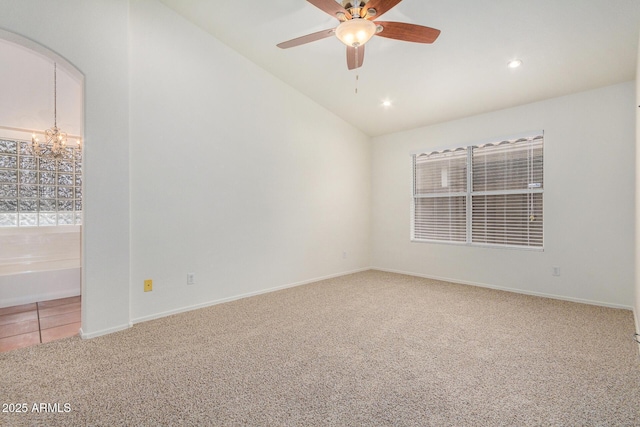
85 336
502 288
241 296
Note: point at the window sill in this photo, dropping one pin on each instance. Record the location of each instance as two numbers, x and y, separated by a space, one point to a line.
480 245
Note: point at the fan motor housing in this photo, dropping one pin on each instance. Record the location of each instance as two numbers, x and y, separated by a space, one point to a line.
355 6
349 4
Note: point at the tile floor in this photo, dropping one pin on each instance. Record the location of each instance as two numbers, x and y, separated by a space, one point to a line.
39 322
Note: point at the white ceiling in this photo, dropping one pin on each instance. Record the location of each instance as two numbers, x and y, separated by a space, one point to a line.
566 46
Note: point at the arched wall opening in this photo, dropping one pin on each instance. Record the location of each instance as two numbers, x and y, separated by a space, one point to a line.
97 44
40 210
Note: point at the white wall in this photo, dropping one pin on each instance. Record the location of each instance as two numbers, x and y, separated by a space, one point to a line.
589 200
93 37
235 176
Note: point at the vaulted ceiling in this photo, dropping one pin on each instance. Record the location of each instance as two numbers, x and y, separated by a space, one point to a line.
565 46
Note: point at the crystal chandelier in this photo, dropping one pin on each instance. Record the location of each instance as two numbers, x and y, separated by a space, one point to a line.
55 140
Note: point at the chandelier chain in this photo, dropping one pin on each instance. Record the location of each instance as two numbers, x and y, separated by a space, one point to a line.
55 96
54 145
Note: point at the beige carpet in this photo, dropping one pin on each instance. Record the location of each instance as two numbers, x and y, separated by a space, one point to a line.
369 349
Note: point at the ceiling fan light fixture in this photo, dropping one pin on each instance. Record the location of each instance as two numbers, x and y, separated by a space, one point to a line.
355 32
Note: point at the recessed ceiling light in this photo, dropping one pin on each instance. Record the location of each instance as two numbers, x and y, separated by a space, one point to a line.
514 63
386 103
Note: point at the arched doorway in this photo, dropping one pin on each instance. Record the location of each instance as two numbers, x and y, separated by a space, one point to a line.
40 200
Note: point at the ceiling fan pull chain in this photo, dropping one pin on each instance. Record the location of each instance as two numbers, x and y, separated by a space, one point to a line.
357 78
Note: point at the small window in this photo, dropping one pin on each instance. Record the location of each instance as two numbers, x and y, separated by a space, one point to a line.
488 194
38 191
440 196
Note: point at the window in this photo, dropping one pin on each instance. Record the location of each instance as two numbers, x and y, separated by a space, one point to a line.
440 196
488 194
39 192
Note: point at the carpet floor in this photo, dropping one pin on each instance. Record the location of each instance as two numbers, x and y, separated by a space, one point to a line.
367 349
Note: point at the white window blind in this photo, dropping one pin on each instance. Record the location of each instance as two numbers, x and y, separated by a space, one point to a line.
489 194
440 196
506 197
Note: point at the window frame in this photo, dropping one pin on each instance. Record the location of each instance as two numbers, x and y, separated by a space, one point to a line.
470 193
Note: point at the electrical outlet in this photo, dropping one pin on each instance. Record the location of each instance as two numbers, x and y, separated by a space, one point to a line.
556 271
191 278
148 285
344 255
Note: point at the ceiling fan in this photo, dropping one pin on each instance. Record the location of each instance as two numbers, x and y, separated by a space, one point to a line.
357 27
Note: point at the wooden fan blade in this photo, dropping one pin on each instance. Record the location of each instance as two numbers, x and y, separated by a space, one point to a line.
381 6
331 7
355 57
306 39
407 32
